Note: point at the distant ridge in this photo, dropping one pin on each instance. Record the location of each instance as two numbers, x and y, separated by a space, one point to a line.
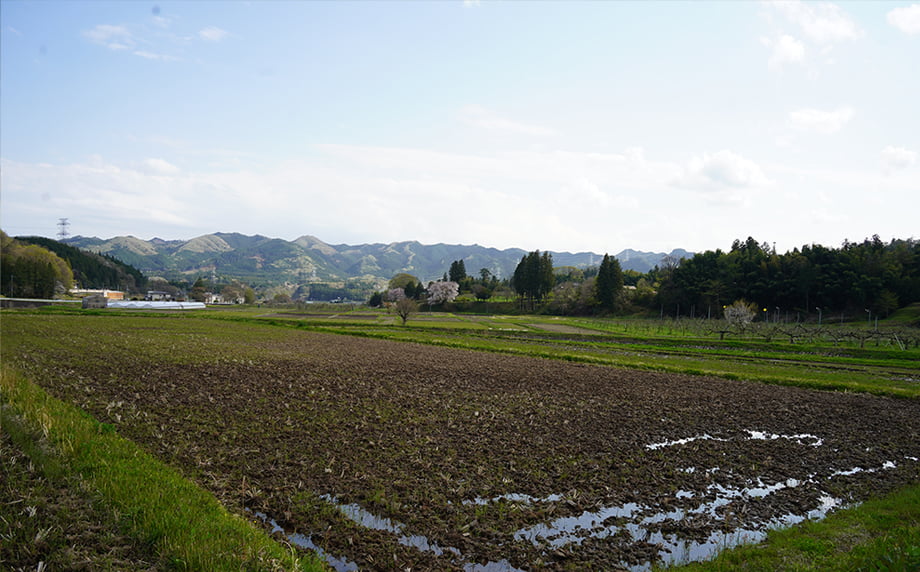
264 261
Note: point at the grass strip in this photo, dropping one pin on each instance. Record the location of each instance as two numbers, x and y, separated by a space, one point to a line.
880 534
190 529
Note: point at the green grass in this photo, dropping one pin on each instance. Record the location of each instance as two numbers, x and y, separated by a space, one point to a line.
188 527
909 315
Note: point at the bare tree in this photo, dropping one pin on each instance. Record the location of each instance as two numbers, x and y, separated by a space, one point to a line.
405 307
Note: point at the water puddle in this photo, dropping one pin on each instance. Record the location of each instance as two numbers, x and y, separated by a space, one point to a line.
802 439
514 497
367 519
685 528
856 470
304 541
643 523
703 437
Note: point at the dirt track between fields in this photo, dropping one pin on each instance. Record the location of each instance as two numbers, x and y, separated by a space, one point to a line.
518 462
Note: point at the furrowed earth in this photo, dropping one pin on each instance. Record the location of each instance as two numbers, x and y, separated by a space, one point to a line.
391 455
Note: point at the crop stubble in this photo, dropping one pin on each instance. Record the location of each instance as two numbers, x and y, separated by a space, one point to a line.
410 432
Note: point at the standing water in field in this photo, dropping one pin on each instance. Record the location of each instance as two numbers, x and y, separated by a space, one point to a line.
689 525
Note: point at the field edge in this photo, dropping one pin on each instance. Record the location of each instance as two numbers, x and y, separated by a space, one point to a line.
187 525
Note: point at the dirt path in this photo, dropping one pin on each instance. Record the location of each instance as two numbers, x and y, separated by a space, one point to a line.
462 458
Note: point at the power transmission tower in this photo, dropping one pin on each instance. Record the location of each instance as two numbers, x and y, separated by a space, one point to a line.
62 225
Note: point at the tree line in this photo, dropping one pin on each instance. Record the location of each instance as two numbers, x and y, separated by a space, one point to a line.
871 275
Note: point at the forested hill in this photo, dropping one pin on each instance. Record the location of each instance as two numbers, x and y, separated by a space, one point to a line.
92 270
259 260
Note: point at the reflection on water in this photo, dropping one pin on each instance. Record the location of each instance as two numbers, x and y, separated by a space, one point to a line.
339 564
636 521
687 527
369 520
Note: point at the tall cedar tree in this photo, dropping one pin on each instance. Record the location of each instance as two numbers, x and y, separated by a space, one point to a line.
609 283
457 271
533 278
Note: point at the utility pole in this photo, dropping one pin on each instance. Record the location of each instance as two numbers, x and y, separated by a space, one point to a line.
63 232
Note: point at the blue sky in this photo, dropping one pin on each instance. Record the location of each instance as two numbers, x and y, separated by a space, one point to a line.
542 125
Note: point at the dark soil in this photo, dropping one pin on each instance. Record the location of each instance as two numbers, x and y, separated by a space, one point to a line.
431 438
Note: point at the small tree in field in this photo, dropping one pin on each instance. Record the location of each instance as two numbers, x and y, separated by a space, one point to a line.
405 307
740 313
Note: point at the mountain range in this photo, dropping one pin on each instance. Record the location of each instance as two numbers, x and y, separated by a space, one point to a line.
260 260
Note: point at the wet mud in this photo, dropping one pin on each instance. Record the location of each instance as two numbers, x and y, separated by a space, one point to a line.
394 456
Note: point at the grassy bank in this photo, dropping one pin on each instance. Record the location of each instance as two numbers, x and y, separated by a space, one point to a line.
183 525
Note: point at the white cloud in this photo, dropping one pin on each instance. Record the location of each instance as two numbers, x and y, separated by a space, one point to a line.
818 28
407 194
470 3
906 18
816 120
721 174
159 167
212 34
154 56
112 37
559 200
822 23
898 158
786 50
481 117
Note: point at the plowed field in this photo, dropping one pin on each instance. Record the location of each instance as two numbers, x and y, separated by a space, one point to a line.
391 456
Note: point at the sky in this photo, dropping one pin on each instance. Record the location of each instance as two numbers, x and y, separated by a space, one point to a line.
565 126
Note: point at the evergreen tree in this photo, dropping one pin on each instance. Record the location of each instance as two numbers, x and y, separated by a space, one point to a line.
533 278
609 283
457 271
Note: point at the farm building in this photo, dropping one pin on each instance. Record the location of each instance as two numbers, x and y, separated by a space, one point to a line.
108 294
157 296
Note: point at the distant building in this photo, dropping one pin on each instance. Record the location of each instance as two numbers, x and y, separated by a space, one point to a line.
95 301
108 294
212 298
158 296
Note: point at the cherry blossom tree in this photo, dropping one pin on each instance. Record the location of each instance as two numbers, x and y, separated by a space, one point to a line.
395 294
740 313
440 292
